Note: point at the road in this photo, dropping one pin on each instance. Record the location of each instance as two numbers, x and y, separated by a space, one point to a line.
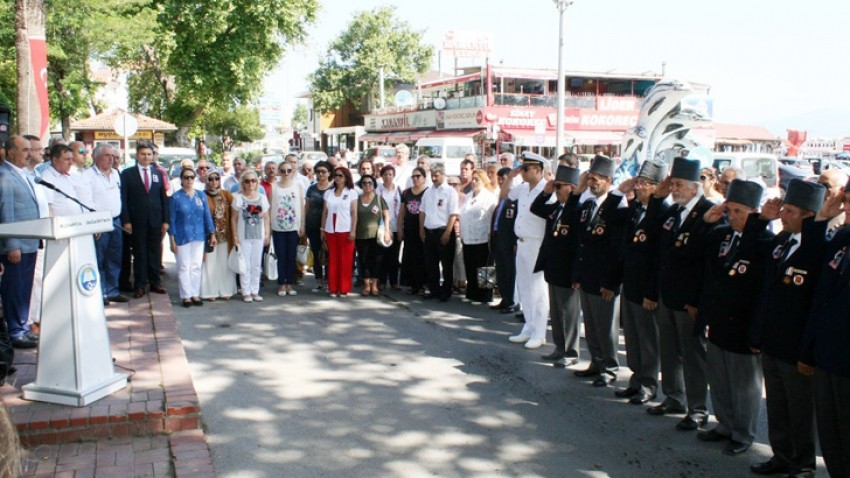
310 386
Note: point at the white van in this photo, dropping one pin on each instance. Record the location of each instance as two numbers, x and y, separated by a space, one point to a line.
448 150
762 165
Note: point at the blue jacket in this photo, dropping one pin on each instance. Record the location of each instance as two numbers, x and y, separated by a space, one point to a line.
17 204
190 218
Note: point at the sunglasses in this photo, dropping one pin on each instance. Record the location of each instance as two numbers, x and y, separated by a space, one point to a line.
188 177
367 183
249 181
704 177
213 178
339 175
82 150
559 185
203 167
285 171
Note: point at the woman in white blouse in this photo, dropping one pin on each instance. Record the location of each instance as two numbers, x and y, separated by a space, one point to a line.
388 256
250 220
339 223
476 218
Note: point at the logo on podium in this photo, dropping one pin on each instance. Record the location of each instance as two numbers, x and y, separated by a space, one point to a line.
87 279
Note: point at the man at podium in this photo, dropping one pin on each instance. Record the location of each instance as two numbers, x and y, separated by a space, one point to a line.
17 203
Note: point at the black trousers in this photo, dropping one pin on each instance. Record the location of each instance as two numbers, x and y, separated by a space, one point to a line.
413 257
388 263
475 256
504 256
124 278
367 257
147 255
833 421
436 255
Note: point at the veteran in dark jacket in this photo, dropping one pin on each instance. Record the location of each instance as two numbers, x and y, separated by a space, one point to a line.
504 249
555 260
680 264
640 286
792 268
735 256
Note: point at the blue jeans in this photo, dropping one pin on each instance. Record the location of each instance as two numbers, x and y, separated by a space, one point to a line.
109 247
285 246
15 290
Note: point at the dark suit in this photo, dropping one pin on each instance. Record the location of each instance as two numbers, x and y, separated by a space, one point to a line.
825 345
555 260
597 266
777 331
504 249
146 211
640 281
734 274
680 263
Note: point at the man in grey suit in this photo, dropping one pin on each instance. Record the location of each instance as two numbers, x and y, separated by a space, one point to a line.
17 203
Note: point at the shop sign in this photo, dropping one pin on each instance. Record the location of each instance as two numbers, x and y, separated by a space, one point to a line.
111 135
464 118
522 117
402 121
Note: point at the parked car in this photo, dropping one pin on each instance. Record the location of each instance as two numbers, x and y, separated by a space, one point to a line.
797 163
448 150
762 165
385 153
787 173
314 156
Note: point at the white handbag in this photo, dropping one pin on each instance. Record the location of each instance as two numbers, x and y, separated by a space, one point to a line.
302 253
270 263
383 233
236 261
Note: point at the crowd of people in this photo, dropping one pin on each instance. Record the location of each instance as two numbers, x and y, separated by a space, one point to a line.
717 288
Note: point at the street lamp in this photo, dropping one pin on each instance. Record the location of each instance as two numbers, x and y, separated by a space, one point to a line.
562 7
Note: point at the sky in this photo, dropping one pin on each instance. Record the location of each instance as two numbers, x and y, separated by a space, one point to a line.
779 64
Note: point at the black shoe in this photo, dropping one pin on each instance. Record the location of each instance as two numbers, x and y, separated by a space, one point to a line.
520 315
735 448
588 372
499 306
665 409
712 435
413 291
187 303
565 362
32 336
509 309
555 355
24 342
690 423
197 301
603 381
119 298
627 392
770 467
445 299
430 296
105 301
641 398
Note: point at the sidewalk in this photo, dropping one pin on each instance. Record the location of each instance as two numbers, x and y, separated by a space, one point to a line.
152 428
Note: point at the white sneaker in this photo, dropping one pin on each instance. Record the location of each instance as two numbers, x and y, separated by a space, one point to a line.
534 344
247 298
518 339
257 298
281 292
292 292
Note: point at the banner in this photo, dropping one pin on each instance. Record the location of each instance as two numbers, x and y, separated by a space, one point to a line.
38 59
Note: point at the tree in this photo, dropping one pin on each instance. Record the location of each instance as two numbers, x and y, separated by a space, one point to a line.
299 116
212 53
241 123
374 39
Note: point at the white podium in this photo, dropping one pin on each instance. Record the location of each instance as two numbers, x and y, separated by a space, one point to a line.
74 359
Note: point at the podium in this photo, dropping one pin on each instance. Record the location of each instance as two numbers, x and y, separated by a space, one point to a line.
74 359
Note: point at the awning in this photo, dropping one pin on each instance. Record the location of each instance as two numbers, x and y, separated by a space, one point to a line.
454 133
526 137
374 137
345 130
593 138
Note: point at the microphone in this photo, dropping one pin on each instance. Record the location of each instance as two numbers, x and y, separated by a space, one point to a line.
48 185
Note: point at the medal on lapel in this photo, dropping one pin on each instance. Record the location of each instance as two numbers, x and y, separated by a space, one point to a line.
837 258
668 224
777 252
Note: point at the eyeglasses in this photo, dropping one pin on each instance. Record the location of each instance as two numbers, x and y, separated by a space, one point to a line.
285 171
203 167
704 177
367 183
187 177
339 175
213 178
83 150
249 181
559 185
454 184
308 170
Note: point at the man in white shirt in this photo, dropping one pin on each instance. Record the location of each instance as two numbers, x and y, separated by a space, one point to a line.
231 183
104 186
62 200
79 157
529 229
437 216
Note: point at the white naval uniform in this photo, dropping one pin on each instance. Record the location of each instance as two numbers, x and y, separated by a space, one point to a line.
532 287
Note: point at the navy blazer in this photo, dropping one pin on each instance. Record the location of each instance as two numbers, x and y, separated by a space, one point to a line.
732 283
140 207
680 253
503 233
17 203
560 242
787 293
639 261
825 341
600 242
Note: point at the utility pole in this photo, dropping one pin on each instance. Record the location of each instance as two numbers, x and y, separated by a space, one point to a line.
559 136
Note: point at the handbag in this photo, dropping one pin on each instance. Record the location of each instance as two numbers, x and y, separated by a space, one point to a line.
236 261
382 233
270 263
302 253
486 277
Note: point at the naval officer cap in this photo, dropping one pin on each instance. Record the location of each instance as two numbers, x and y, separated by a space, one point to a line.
745 192
805 195
603 166
687 169
532 159
566 174
652 170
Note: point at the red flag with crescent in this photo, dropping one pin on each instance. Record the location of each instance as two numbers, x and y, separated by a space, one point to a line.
38 58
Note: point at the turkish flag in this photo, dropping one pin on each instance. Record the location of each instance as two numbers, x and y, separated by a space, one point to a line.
38 58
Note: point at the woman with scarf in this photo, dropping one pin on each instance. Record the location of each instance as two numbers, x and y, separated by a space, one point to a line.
217 281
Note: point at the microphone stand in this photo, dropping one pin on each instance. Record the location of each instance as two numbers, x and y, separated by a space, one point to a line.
77 201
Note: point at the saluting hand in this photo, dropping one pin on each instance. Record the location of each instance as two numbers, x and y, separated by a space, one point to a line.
832 206
714 214
692 311
663 188
805 369
550 187
627 186
582 184
607 294
771 208
649 305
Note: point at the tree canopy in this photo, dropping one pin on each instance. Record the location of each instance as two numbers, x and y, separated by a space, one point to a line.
373 39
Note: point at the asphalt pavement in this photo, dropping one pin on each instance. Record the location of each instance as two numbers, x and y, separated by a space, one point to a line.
313 386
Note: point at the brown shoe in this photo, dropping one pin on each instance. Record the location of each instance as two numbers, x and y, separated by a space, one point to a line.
139 293
158 289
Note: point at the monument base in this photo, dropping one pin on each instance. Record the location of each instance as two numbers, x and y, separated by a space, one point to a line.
75 398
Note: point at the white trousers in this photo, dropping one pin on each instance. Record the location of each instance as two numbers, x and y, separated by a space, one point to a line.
189 258
532 288
217 280
252 249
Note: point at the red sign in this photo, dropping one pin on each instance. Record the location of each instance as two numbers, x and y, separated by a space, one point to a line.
38 58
